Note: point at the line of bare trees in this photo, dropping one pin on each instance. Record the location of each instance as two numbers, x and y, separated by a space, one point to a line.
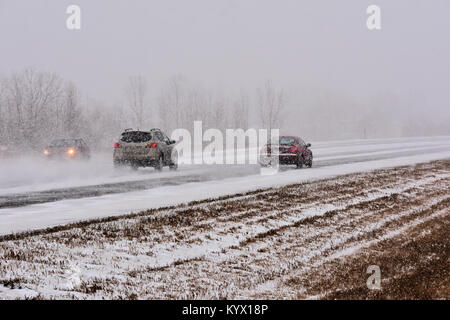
37 107
180 103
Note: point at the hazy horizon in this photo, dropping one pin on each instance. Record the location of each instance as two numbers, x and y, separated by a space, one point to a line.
308 48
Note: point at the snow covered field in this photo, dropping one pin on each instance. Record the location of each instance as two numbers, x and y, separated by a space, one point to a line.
154 190
305 240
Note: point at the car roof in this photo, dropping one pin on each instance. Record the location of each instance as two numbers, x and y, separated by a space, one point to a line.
66 139
138 130
280 137
134 131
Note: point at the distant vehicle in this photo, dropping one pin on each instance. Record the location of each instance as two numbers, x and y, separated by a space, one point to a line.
67 149
137 148
291 151
6 151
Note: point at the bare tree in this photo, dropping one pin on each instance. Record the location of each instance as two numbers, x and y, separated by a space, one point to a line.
3 113
198 104
220 112
31 98
172 103
136 94
271 103
72 119
2 102
241 111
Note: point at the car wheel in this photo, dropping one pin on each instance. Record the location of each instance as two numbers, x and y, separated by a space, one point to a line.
310 161
159 164
174 161
300 163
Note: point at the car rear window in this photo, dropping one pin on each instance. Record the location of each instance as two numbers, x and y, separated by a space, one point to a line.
136 136
287 140
62 143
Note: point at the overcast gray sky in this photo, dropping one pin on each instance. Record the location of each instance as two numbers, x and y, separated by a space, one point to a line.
234 43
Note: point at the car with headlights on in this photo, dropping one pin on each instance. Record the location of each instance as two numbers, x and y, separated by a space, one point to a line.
67 149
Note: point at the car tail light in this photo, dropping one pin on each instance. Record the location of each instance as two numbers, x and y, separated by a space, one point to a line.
117 145
152 145
294 149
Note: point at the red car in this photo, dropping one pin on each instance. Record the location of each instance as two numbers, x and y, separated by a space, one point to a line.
291 151
67 149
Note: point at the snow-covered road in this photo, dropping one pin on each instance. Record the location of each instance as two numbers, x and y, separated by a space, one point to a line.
36 194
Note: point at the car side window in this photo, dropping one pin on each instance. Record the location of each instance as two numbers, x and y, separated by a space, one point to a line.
166 138
159 136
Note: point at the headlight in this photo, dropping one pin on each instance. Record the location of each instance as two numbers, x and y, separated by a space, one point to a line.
46 152
70 151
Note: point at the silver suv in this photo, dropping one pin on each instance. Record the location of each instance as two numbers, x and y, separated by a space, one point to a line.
137 148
